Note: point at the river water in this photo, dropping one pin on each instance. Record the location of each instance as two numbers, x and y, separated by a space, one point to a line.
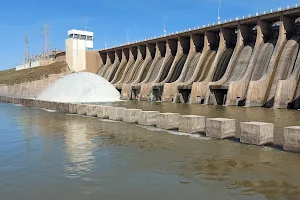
51 155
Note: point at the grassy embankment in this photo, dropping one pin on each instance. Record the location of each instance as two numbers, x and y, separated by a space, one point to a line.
11 76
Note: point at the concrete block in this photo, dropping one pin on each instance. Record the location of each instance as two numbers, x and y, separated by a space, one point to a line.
191 124
103 112
8 99
148 118
34 102
63 107
91 111
54 105
220 128
25 102
4 99
60 107
72 108
256 133
30 102
16 100
19 101
22 102
131 115
81 109
38 103
291 138
116 113
168 121
48 105
42 104
12 99
66 107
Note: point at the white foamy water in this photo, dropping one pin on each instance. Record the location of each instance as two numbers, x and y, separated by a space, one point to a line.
18 105
195 136
48 110
81 87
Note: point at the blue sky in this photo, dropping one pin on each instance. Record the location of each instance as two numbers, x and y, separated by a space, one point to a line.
110 19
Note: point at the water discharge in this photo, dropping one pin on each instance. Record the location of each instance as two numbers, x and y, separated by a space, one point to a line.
81 87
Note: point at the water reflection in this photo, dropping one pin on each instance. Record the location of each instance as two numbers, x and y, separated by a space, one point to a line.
79 149
54 126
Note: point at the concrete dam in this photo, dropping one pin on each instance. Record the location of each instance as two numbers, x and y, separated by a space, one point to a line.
253 61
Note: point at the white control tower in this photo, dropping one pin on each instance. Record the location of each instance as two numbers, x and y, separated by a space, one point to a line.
76 45
79 35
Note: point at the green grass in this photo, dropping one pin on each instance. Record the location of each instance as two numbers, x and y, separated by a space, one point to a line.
11 76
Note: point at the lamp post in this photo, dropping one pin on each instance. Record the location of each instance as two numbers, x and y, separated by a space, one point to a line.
165 31
219 8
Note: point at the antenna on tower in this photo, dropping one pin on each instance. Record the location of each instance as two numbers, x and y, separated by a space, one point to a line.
86 25
27 55
45 33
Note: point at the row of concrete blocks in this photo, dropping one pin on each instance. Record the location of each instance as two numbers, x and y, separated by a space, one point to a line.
254 133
